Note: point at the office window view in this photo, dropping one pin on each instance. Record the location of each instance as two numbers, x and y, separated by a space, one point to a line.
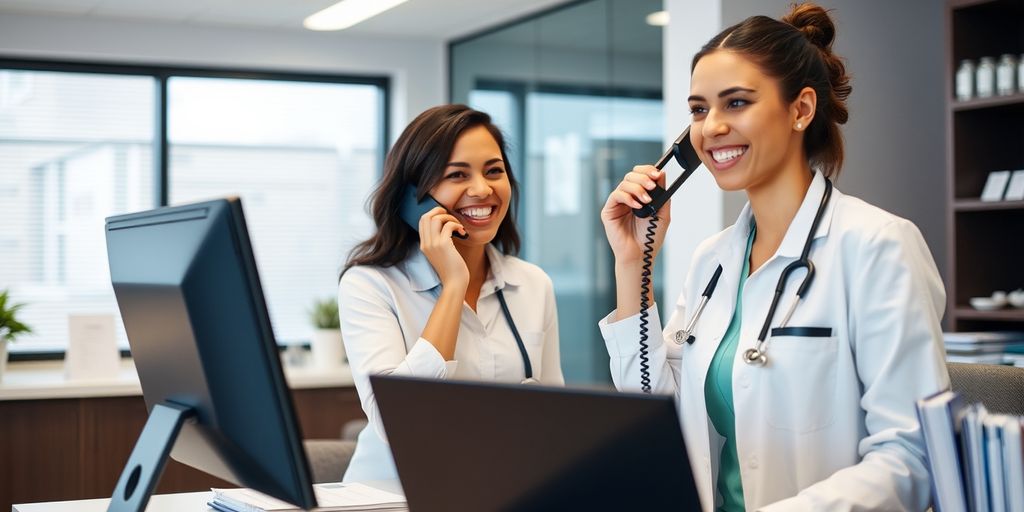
78 147
303 158
579 106
74 148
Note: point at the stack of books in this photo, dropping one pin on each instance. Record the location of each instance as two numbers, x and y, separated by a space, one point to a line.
996 347
976 457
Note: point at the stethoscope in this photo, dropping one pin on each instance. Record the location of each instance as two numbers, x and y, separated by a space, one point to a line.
757 356
519 340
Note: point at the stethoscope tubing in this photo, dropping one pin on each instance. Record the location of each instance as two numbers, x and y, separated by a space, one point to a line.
757 355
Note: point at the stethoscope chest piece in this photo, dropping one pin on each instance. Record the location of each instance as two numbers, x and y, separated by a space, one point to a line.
755 357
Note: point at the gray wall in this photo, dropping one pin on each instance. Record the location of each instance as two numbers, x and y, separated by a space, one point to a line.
895 139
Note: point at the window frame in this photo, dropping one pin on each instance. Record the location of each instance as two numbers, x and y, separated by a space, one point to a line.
162 74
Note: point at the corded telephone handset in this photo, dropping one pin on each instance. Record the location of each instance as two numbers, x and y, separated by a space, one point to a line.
686 156
413 208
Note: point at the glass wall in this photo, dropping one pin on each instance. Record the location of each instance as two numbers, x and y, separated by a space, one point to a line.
578 93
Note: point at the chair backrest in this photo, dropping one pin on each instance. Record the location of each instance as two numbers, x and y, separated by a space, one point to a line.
1000 388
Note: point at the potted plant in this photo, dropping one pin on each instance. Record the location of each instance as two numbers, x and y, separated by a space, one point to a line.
10 327
326 345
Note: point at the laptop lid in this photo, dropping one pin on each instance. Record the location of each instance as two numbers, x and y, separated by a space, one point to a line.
484 446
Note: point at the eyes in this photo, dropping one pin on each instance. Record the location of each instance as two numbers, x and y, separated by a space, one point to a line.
699 110
460 174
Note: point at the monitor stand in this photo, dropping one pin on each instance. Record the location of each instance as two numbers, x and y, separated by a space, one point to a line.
145 465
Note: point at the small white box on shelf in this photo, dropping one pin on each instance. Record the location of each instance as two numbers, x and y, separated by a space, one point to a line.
995 185
1015 190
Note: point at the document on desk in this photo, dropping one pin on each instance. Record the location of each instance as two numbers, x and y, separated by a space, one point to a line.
332 497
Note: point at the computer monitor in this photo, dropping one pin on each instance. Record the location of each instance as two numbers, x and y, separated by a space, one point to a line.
486 446
197 323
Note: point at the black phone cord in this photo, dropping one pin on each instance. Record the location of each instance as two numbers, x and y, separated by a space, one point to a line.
645 289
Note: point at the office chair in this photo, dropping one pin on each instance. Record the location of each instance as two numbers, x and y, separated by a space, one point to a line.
999 388
329 458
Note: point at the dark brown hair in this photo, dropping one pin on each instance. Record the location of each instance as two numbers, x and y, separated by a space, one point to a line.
797 51
419 158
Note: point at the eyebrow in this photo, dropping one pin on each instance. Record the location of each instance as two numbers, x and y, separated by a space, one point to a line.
464 164
731 90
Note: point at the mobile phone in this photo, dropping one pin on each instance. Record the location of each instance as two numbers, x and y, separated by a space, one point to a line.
686 157
412 209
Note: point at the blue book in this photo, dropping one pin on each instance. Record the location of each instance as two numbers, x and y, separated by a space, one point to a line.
941 415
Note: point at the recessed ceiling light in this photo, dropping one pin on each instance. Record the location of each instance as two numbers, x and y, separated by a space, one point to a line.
346 13
658 18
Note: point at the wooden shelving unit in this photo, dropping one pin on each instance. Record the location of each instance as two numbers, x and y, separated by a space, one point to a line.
986 239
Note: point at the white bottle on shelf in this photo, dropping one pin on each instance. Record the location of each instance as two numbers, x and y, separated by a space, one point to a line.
1006 74
965 80
985 81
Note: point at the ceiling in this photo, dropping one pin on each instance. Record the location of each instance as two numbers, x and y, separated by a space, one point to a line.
432 19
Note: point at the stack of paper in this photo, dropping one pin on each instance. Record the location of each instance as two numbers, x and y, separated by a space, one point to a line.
996 347
338 497
976 457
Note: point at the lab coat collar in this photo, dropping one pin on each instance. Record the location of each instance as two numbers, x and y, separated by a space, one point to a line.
422 276
793 243
732 248
796 236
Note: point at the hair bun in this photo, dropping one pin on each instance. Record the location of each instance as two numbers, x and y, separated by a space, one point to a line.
814 23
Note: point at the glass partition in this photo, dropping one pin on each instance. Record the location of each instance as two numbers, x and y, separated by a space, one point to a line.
578 93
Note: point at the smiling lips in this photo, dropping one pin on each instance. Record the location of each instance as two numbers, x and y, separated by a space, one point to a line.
726 157
479 215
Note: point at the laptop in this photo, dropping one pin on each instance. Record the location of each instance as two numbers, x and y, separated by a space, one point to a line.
490 447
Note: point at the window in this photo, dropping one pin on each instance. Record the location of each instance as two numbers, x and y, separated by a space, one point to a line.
302 156
74 149
77 146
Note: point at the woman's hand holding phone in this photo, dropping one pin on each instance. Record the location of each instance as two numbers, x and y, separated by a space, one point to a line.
435 229
626 232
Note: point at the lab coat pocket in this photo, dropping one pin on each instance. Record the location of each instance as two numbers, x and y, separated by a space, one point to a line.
800 378
534 342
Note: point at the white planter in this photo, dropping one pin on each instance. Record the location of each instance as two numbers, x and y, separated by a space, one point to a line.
3 358
328 350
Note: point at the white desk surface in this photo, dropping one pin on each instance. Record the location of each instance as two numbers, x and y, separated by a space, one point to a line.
38 380
182 502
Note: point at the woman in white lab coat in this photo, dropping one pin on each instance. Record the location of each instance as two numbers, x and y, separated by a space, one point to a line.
828 421
415 301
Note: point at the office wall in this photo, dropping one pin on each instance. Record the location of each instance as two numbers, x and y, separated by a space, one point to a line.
895 139
416 67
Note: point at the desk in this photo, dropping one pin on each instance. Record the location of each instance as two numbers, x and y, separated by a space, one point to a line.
160 503
62 440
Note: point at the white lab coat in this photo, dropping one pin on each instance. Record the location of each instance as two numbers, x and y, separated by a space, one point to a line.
830 422
384 310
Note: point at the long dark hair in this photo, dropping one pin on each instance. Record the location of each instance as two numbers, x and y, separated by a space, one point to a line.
419 158
797 51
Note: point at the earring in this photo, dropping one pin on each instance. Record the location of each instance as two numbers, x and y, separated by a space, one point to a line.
799 126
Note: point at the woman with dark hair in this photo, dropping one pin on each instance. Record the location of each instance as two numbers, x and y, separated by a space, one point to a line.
415 301
811 405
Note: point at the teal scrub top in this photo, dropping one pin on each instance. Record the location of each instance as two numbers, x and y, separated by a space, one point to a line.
718 396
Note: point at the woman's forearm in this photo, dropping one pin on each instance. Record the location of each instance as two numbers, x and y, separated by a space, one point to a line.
442 329
627 290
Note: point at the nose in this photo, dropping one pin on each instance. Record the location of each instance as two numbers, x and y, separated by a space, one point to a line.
713 126
479 187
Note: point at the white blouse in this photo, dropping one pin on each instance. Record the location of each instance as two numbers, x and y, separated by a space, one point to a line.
383 311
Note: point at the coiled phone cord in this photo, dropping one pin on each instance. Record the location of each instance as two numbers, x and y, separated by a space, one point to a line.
645 289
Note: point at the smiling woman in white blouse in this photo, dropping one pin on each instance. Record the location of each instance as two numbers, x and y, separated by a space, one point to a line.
416 301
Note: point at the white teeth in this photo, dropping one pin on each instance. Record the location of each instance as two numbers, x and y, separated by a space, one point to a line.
477 212
722 156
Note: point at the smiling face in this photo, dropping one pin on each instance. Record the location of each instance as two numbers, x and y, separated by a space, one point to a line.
475 186
743 130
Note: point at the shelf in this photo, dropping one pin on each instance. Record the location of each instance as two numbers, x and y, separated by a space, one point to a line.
981 103
977 205
1005 315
